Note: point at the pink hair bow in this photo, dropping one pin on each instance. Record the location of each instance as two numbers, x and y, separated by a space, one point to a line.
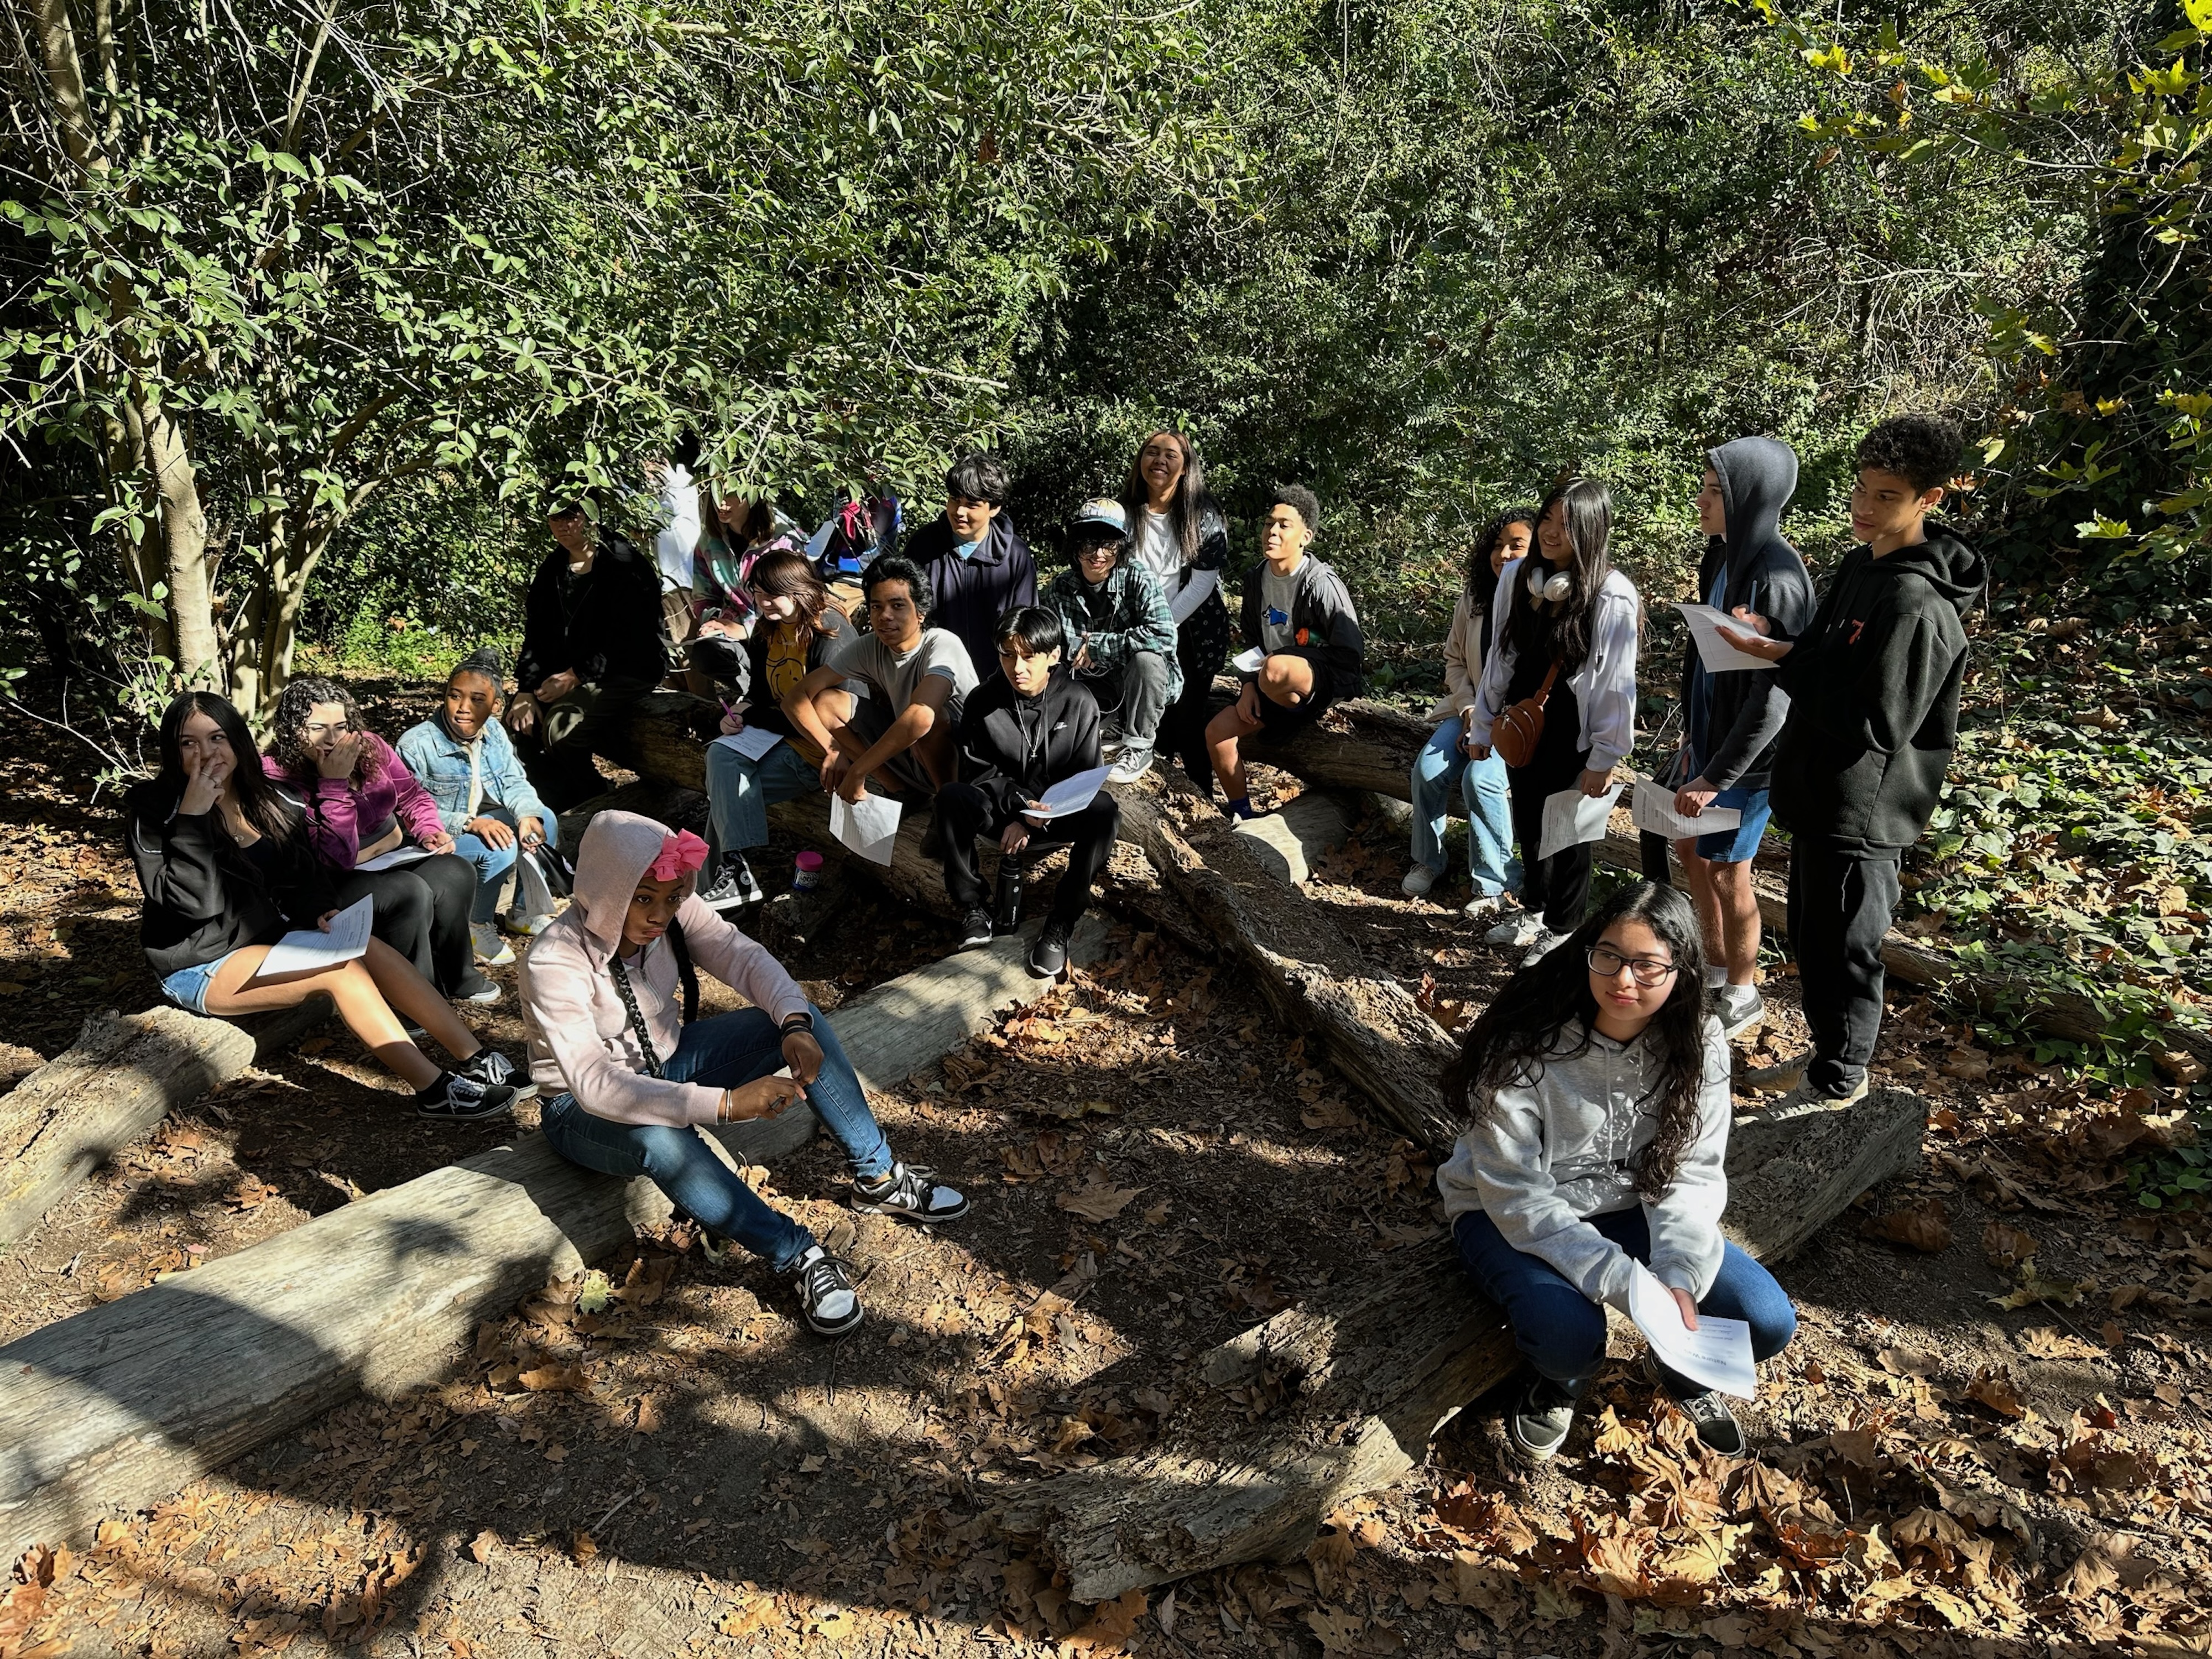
680 854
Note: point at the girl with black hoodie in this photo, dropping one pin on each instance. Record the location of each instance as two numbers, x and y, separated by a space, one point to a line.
226 869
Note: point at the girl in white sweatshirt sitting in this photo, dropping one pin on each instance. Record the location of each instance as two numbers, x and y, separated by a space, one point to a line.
1597 1087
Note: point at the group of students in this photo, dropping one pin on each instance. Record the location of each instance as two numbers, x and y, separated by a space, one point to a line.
1597 1084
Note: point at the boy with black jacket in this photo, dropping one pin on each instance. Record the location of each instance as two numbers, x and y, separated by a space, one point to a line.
1731 719
1873 688
1020 733
1299 615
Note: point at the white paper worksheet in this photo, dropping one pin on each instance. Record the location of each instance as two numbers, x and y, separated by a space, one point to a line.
1654 806
311 947
868 827
1717 1354
394 858
1571 817
1070 794
1716 652
1249 662
752 742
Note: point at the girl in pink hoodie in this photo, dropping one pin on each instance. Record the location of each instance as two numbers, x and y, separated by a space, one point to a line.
608 991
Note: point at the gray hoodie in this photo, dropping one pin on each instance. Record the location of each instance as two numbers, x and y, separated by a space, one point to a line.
1549 1155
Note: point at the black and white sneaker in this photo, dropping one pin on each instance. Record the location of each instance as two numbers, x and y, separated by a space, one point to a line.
910 1190
457 1099
733 886
1048 955
826 1298
1537 1424
488 1066
1718 1431
974 927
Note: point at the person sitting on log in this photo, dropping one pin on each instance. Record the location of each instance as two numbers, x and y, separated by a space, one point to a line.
592 650
977 562
223 858
795 629
1023 731
1122 637
610 995
741 531
1597 1087
1298 615
462 756
1443 766
363 805
885 704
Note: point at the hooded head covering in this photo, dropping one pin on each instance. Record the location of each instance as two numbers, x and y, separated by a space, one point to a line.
617 848
1758 477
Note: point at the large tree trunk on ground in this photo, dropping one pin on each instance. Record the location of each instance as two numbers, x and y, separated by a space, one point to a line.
1352 1391
123 1404
123 1076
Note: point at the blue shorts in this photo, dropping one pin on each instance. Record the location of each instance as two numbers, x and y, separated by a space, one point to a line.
1741 844
188 987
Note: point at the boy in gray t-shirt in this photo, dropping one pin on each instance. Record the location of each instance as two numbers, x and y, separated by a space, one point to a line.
885 705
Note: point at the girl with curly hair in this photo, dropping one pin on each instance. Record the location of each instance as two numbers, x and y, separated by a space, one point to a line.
363 804
1597 1085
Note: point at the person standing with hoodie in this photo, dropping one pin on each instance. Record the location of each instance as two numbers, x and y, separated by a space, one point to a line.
976 562
1873 684
1731 719
610 995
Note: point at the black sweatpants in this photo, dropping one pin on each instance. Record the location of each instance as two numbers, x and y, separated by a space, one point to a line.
1842 894
557 753
422 912
963 813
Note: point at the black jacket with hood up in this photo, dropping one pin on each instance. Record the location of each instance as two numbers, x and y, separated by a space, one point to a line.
603 625
1014 748
1874 693
1745 707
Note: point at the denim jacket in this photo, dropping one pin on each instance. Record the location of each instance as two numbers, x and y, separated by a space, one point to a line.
442 764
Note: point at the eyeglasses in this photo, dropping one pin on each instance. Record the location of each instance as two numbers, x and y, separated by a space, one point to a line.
1607 963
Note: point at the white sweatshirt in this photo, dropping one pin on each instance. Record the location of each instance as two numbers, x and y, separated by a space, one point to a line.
1604 686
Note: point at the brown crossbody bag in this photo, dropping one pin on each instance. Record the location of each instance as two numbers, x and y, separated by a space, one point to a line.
1516 733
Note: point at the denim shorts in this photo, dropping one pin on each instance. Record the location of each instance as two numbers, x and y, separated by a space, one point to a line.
1741 844
188 987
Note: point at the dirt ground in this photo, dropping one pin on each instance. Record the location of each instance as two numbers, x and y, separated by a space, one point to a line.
656 1458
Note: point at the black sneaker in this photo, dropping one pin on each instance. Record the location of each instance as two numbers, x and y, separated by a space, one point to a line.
1048 955
910 1190
733 886
974 927
1717 1429
1537 1424
488 1066
457 1099
826 1298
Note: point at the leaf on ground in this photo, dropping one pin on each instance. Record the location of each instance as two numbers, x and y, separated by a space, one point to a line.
2049 1342
1097 1198
1995 1389
1339 1630
484 1546
2034 1288
2006 1246
1925 1226
1109 1627
554 1379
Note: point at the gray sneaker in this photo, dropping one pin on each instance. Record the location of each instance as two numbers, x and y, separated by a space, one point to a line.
1542 945
1806 1095
1718 1431
1517 932
1134 761
1537 1424
1740 1008
1418 881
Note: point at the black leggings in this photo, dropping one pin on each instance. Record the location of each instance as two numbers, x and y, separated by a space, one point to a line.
1555 888
422 912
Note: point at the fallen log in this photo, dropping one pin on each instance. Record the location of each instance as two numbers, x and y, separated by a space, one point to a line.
123 1075
120 1405
1350 1393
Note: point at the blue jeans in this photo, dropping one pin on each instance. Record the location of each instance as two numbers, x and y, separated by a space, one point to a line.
720 1052
1440 765
1561 1333
740 792
492 863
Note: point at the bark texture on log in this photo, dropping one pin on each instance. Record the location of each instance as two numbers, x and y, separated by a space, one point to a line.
1348 1394
125 1403
123 1075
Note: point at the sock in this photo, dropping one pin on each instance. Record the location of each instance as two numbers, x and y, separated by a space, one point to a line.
1716 976
1239 808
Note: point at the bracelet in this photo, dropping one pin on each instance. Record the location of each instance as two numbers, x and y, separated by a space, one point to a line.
801 1021
723 1108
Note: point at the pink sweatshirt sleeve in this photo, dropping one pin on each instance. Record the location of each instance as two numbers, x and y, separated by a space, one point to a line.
743 964
557 996
415 806
333 815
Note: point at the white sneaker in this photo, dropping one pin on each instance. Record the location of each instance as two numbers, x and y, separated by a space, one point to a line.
1483 906
1134 760
1741 1007
1418 881
1519 932
1545 942
484 938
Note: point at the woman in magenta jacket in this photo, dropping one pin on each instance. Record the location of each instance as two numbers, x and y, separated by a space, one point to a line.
363 804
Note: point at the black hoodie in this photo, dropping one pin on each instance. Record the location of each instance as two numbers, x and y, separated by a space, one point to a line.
603 625
1014 748
206 895
1874 693
1745 707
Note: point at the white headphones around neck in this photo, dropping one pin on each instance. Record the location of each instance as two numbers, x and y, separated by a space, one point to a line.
1554 588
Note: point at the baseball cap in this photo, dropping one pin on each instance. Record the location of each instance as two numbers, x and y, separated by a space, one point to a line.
1102 512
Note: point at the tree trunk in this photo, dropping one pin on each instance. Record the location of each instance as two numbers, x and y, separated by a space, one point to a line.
123 1404
122 1076
190 602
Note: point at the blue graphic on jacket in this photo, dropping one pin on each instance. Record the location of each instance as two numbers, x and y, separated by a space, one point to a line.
1278 618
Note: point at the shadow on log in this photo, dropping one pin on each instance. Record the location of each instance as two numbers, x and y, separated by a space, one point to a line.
126 1402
